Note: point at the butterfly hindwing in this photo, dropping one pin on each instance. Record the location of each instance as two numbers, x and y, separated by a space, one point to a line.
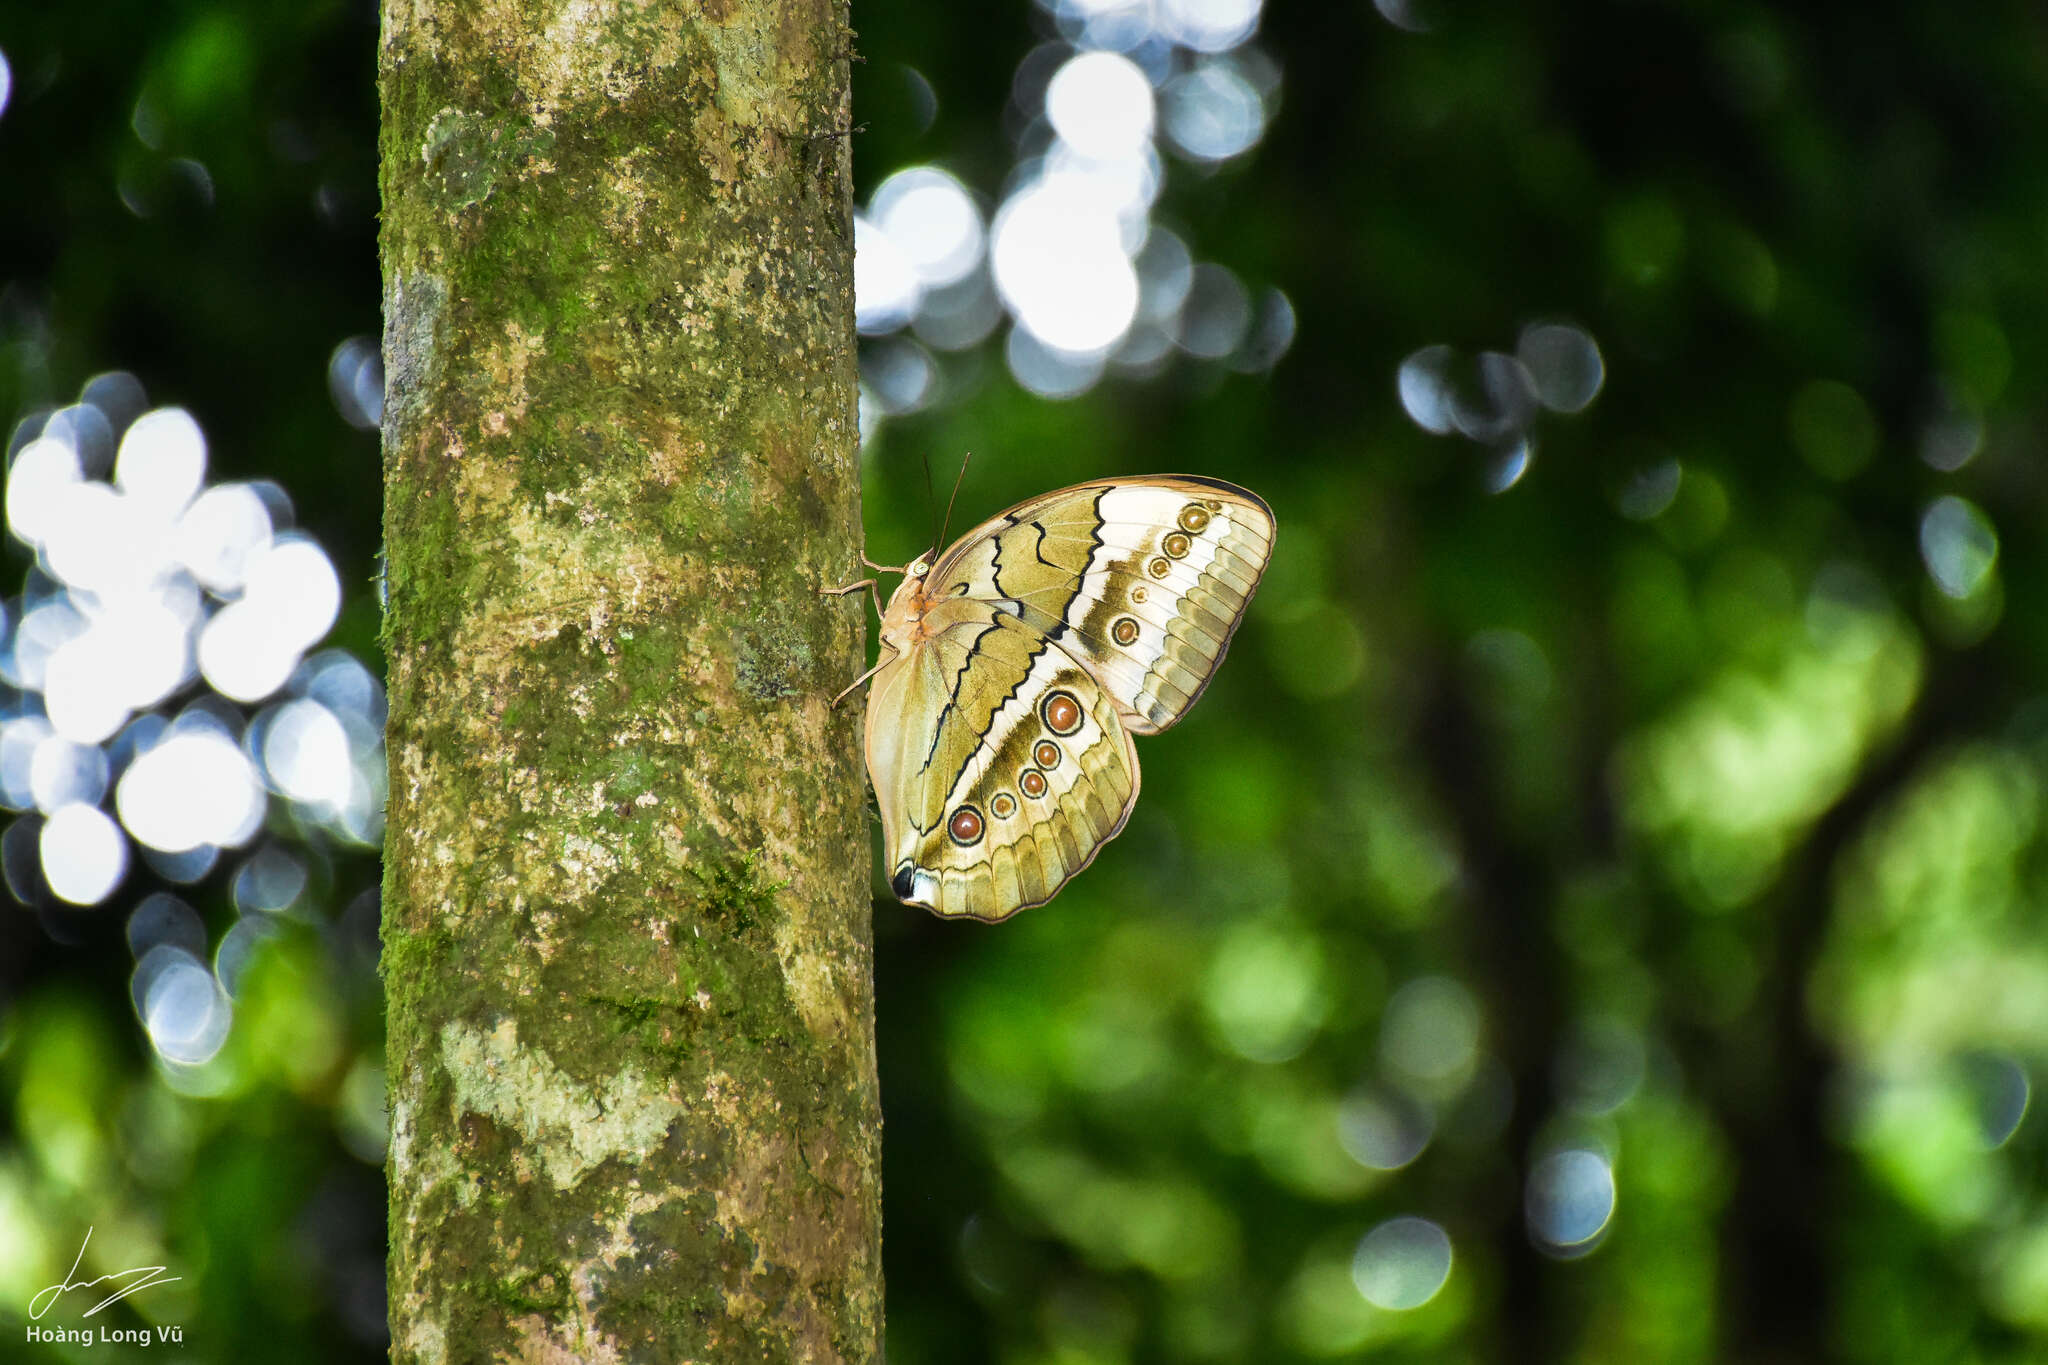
1020 769
1143 581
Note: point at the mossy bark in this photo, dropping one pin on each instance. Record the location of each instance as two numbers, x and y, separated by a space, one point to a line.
627 956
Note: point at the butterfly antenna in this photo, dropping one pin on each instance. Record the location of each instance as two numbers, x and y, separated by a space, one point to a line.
931 499
958 479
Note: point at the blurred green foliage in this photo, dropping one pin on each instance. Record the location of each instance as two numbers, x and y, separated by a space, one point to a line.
1678 804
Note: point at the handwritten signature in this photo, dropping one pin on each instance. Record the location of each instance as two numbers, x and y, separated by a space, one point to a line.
47 1299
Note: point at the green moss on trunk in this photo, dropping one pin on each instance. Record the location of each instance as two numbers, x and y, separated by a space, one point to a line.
626 893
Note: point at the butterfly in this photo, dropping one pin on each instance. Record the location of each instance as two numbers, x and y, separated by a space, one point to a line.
1018 665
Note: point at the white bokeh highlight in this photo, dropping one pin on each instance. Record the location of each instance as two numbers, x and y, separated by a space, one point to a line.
1100 104
306 753
931 223
83 854
193 789
1066 257
1060 265
159 608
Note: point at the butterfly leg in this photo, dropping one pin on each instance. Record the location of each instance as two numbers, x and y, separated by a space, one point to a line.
858 681
867 583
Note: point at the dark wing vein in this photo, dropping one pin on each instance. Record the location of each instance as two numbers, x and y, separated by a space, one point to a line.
953 697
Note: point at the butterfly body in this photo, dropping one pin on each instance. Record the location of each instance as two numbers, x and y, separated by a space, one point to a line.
1025 659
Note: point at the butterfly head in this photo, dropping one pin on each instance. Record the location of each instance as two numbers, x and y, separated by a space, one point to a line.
907 605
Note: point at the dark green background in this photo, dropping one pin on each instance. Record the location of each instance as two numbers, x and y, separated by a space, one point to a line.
1731 793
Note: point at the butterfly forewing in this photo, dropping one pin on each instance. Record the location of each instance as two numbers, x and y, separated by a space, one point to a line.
1142 581
999 737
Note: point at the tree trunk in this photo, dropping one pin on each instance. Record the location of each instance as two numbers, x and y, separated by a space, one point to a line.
626 938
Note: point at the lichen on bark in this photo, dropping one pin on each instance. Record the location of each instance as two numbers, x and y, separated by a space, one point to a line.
626 953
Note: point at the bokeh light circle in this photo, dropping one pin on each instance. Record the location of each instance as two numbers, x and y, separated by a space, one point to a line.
186 1012
306 753
1430 1029
1059 263
885 284
83 853
162 461
1402 1264
1564 365
1100 104
1208 25
1213 112
1384 1130
932 223
1959 545
1569 1201
40 473
194 788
